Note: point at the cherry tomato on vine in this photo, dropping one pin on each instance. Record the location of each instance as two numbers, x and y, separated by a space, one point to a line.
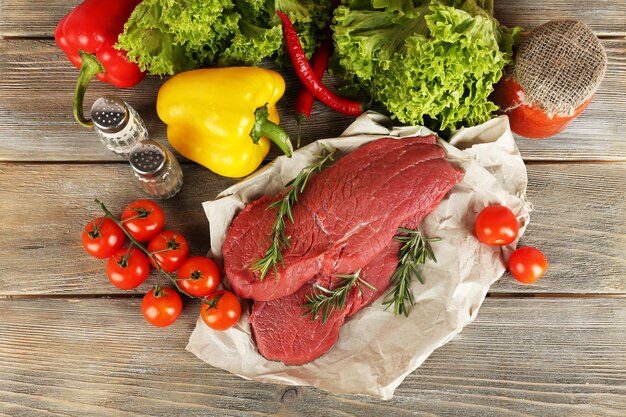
161 307
128 268
102 237
198 276
143 219
496 225
221 311
170 249
527 264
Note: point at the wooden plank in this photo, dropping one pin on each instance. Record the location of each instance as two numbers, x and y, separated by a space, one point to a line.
578 222
608 19
36 122
38 18
520 357
47 240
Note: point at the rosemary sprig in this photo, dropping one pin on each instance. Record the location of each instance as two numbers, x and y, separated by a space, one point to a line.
278 239
415 251
326 301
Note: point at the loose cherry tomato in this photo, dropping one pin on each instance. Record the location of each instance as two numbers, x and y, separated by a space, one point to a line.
199 276
143 219
161 307
221 311
170 249
527 264
128 268
496 225
102 237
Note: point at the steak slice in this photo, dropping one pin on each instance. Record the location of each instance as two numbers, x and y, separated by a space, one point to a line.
282 333
346 215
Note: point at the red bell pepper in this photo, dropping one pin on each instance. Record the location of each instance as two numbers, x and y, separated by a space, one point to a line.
87 35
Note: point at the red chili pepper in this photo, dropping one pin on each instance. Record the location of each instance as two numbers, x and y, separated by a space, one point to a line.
305 100
319 62
87 35
307 75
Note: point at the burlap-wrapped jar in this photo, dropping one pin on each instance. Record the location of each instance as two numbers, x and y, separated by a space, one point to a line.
558 67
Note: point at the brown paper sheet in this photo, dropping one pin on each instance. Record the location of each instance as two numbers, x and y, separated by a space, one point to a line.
377 350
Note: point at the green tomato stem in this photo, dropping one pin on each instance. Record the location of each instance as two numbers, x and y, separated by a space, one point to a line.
212 302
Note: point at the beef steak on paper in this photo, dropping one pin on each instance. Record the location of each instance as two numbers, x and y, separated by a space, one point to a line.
374 350
352 211
346 215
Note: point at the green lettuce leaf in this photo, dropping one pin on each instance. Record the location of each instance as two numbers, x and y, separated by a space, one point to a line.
170 36
251 44
366 39
436 65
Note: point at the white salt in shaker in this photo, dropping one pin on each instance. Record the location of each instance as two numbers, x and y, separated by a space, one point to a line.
117 124
156 168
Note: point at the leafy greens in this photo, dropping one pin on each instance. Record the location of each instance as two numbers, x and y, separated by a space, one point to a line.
171 36
428 61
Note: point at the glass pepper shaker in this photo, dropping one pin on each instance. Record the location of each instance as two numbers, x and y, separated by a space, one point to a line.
156 168
117 124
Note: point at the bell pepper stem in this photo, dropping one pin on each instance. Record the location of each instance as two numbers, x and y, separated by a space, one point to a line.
89 67
265 127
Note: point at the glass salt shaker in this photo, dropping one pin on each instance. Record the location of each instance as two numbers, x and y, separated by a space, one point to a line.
156 168
117 124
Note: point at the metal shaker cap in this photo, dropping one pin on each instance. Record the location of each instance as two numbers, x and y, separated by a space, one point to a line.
109 114
148 158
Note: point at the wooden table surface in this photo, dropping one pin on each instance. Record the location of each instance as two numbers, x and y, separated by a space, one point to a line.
71 344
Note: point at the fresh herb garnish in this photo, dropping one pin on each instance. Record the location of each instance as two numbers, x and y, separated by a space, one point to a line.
278 239
415 251
326 301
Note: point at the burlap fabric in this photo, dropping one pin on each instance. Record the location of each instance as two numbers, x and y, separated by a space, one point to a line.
560 66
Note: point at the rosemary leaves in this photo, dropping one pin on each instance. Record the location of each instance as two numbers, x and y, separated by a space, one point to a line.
278 239
415 251
326 301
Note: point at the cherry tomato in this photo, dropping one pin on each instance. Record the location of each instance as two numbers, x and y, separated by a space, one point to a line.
527 264
161 308
221 311
199 276
529 120
170 249
128 268
496 225
102 237
143 219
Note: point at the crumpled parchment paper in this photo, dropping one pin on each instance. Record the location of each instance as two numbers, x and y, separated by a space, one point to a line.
377 350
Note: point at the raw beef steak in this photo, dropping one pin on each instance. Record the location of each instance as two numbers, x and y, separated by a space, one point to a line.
346 215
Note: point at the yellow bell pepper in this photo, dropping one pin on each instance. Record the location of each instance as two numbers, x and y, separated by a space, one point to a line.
222 117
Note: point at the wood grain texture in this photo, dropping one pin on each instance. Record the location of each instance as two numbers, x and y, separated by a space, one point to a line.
46 242
608 19
36 123
520 357
38 18
578 222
